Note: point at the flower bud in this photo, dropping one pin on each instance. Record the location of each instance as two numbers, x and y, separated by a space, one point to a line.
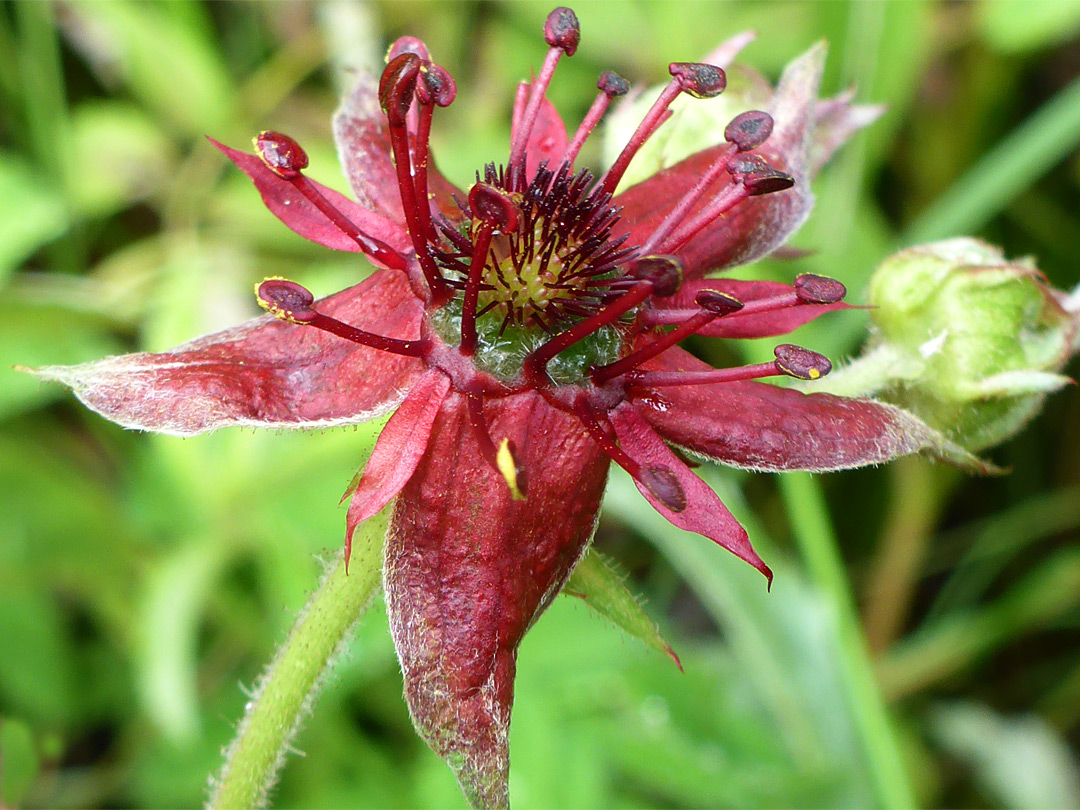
967 340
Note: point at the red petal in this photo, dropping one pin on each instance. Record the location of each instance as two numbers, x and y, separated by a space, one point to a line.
764 427
363 143
265 373
548 139
765 324
705 513
468 570
296 211
756 226
397 451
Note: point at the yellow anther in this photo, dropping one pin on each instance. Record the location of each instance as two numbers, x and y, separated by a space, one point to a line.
508 467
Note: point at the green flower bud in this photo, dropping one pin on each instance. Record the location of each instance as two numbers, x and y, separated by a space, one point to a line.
970 342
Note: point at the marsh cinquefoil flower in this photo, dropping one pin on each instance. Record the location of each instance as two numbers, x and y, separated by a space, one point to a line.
525 331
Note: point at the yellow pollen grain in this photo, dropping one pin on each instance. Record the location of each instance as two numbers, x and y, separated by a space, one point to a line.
813 374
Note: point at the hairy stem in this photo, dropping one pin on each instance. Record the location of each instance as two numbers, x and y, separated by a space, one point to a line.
287 690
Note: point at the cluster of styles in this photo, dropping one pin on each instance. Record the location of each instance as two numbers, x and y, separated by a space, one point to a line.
525 331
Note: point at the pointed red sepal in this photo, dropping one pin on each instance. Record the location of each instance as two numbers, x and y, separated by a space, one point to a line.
264 373
703 512
468 569
764 427
286 202
398 450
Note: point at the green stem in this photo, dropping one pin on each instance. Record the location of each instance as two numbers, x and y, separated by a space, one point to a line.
813 531
287 690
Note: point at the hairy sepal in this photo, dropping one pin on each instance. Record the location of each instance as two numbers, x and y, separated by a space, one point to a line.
468 570
704 512
286 203
763 427
398 450
265 373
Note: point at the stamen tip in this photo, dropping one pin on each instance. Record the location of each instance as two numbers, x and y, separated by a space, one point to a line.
812 289
286 300
664 272
281 154
749 130
612 84
698 79
717 302
407 44
436 86
562 30
800 363
397 85
494 207
758 175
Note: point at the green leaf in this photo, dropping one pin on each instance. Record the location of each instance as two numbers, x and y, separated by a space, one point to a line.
33 336
122 156
18 761
1020 761
166 57
596 582
31 213
1020 25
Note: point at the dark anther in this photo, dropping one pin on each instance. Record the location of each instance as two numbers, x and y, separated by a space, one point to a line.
435 86
665 486
562 30
494 207
717 302
612 84
698 79
286 300
397 85
281 154
749 129
813 289
665 273
407 44
800 363
758 176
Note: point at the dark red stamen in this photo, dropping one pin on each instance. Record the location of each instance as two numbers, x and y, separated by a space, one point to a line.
695 79
809 290
291 302
435 88
562 32
812 289
713 305
610 85
749 130
396 89
495 211
791 361
284 156
660 481
536 361
800 363
723 202
758 176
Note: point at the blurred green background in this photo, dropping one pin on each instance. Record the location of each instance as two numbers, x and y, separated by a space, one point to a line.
144 580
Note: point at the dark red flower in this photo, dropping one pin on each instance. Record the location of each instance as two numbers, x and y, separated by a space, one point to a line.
525 332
